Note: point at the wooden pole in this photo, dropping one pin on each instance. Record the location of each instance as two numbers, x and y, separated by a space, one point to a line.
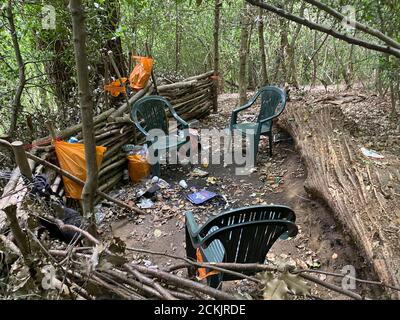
153 77
111 56
21 159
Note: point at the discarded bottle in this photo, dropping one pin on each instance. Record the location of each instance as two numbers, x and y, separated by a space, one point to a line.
183 184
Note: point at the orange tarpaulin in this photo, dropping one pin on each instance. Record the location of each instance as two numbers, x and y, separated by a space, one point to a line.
116 87
71 157
138 167
141 73
202 272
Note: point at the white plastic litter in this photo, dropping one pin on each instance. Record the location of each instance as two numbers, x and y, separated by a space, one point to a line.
183 184
371 153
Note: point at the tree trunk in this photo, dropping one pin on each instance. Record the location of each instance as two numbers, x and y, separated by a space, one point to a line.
315 58
217 9
86 103
244 37
16 103
359 192
261 43
281 70
292 53
177 38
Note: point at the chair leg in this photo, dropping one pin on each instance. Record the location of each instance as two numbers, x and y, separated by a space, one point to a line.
214 281
190 254
230 140
270 143
255 150
156 168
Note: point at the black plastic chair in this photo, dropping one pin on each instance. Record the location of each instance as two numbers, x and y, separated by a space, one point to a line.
243 235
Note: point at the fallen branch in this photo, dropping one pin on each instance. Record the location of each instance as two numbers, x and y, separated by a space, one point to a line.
181 282
80 182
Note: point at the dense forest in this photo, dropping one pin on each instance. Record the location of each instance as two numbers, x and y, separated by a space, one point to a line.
255 47
67 76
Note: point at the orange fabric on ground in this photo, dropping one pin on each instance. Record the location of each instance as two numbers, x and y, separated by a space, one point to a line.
71 157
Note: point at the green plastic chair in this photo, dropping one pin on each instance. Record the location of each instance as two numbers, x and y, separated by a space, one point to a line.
273 102
242 235
153 111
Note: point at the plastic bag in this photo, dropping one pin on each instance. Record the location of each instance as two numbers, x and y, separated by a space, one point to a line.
138 167
141 73
116 87
71 157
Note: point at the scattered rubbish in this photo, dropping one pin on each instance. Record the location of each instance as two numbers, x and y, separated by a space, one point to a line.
157 233
162 183
183 184
371 153
322 277
334 256
99 215
149 193
212 180
201 196
132 148
73 140
138 167
199 173
154 179
145 203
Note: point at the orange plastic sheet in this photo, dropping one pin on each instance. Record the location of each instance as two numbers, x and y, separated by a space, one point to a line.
202 272
141 73
138 167
71 157
116 87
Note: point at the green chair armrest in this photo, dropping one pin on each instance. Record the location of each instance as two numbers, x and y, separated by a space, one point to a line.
248 104
191 225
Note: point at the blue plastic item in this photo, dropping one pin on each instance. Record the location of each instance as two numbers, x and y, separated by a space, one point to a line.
73 140
201 196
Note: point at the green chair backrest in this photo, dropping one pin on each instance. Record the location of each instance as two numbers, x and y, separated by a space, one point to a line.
153 111
248 233
273 101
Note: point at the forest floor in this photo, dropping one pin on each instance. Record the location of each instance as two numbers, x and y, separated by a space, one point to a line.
321 243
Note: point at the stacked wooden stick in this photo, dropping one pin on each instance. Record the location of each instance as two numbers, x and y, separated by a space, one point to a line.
191 98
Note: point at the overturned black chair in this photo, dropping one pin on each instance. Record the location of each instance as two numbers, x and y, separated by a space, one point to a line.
243 235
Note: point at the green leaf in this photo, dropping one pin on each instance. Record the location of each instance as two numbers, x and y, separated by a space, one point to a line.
275 290
295 284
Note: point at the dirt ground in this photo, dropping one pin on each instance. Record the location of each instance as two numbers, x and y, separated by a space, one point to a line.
321 243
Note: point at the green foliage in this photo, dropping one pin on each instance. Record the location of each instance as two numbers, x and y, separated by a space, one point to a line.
51 87
277 287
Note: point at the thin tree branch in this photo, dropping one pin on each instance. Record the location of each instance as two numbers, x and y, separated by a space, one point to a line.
359 26
332 32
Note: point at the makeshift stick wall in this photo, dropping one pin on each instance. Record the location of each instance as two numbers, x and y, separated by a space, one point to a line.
192 98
